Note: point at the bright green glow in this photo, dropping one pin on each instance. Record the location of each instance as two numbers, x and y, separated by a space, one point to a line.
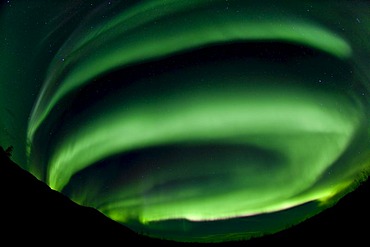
295 126
190 210
187 118
197 149
130 45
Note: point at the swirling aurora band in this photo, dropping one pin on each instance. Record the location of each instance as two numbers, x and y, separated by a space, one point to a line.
173 118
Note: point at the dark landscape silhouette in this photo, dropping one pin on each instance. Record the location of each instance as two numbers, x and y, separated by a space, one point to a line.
32 213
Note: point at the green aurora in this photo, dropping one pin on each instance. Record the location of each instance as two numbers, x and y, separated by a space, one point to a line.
195 121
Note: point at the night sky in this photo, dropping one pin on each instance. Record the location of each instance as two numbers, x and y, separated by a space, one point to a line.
192 121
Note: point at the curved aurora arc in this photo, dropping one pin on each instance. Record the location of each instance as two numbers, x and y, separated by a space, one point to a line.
199 121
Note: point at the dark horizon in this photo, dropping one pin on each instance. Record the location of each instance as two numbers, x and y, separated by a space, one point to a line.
31 211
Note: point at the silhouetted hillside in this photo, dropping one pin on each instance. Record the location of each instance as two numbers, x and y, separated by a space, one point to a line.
33 213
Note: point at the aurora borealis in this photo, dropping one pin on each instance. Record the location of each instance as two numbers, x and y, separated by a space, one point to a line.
195 121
